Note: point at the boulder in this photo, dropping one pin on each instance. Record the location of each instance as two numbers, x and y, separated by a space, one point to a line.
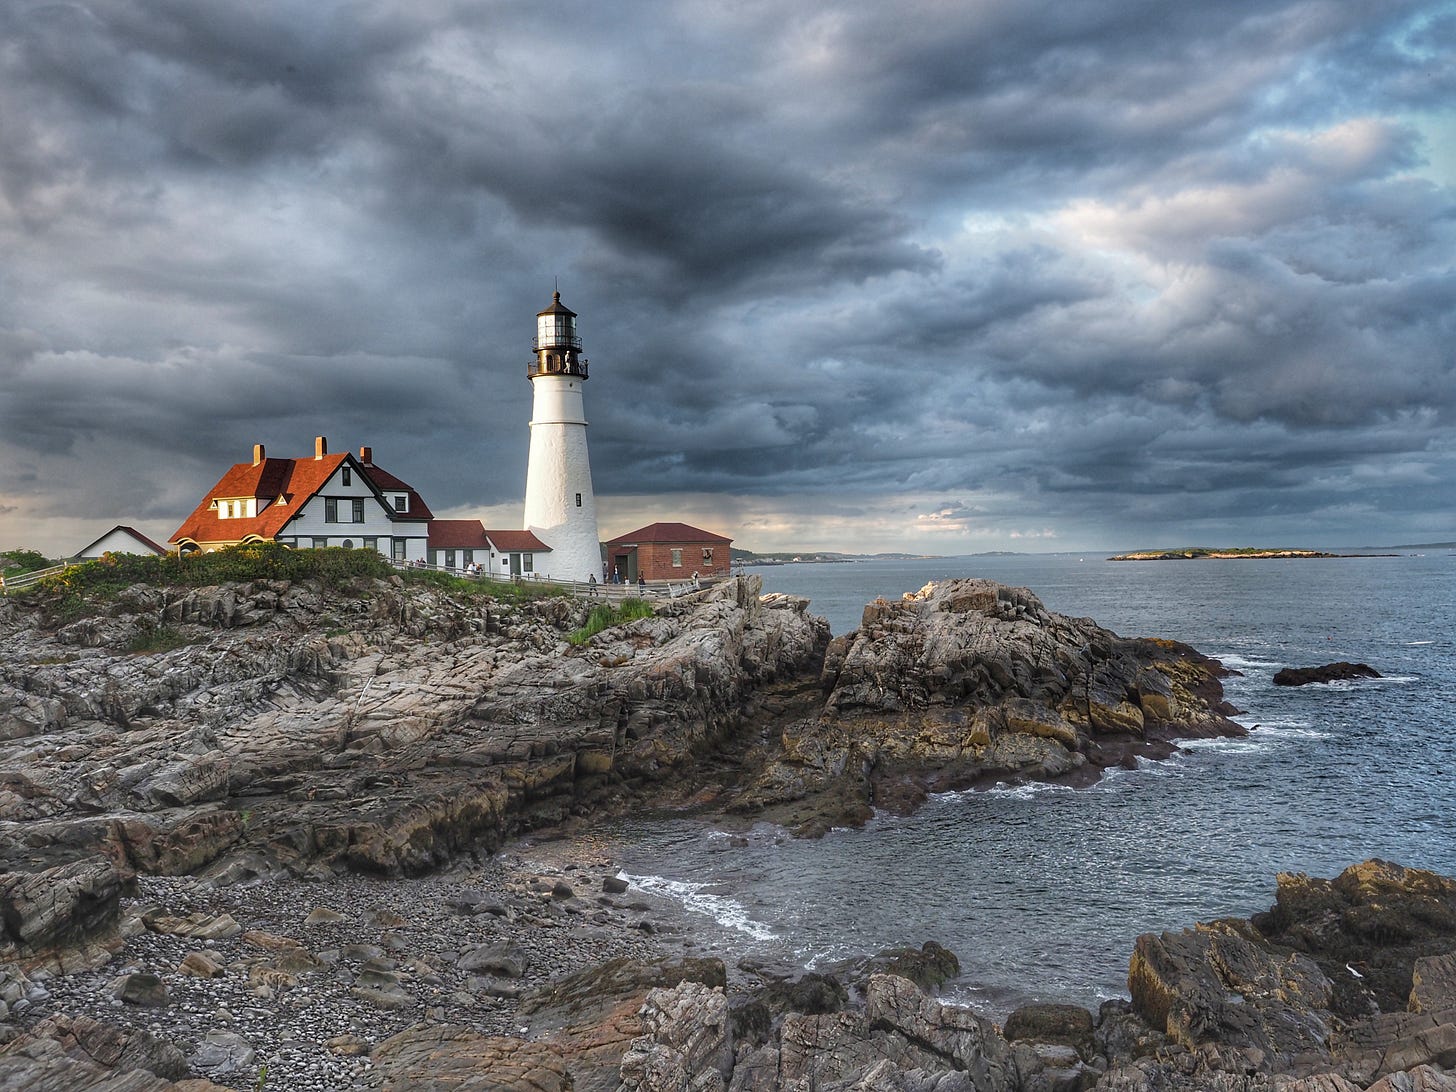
1069 1025
503 959
64 907
1303 676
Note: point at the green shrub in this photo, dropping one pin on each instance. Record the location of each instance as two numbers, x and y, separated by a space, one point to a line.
15 562
605 616
102 579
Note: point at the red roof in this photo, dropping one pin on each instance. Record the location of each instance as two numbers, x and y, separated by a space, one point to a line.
293 480
506 542
457 534
667 532
386 482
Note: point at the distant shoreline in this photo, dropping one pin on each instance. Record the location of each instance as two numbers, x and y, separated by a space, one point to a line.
1200 553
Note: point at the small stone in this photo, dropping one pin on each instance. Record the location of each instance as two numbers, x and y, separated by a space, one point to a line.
322 915
347 1046
201 965
614 885
562 890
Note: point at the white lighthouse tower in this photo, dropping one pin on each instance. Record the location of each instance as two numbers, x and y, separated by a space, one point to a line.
560 508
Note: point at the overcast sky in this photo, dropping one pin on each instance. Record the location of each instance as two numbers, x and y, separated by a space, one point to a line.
936 275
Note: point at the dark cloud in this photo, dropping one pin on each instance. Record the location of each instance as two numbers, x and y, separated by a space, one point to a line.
1013 272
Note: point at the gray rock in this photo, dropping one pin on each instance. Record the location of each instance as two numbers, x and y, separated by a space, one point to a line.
223 1054
140 988
504 959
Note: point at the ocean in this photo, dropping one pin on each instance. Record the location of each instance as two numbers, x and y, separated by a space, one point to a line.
1041 890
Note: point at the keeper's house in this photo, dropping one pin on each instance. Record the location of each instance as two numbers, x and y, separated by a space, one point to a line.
668 551
328 500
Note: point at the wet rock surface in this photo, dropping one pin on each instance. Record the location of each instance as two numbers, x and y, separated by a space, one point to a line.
1303 676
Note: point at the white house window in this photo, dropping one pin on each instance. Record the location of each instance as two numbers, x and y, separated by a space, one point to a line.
708 553
319 543
348 543
358 512
331 509
397 548
528 563
401 502
468 557
449 559
348 476
371 544
677 559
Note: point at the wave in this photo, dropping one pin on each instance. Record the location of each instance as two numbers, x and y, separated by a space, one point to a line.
1413 643
1234 660
1265 736
696 898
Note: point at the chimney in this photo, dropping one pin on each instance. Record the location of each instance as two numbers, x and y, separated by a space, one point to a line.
320 447
257 454
366 456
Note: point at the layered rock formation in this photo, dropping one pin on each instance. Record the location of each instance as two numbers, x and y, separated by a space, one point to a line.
970 680
383 730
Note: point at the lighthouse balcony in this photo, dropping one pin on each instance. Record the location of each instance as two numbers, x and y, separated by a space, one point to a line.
556 341
555 365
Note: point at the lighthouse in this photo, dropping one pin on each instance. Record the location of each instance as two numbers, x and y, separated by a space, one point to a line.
560 508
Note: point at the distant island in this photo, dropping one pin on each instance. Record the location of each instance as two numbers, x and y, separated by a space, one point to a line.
1198 553
804 557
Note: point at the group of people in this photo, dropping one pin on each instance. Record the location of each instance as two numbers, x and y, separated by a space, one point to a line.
615 577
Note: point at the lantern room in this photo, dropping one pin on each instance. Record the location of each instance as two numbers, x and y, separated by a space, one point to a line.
557 344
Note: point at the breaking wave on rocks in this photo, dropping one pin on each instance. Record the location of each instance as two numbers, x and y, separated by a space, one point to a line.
697 899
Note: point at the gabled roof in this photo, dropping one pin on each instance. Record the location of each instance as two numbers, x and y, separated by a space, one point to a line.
132 531
295 480
457 534
386 482
667 532
516 542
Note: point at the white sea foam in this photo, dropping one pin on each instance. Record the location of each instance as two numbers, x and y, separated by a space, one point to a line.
1264 737
697 898
1413 643
1234 660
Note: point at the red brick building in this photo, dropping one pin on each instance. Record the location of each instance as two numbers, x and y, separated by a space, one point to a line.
669 551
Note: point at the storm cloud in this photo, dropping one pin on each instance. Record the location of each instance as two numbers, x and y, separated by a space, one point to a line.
944 277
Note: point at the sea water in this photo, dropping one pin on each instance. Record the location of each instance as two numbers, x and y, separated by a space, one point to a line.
1041 890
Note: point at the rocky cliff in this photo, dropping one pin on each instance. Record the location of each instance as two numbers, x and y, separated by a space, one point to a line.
383 728
967 681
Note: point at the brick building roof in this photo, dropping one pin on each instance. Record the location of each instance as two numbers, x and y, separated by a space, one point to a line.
667 532
516 542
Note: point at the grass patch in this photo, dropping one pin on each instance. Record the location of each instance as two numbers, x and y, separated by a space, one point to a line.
333 567
160 639
605 616
503 591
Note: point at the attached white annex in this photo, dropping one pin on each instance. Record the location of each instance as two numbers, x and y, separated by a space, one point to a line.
561 509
